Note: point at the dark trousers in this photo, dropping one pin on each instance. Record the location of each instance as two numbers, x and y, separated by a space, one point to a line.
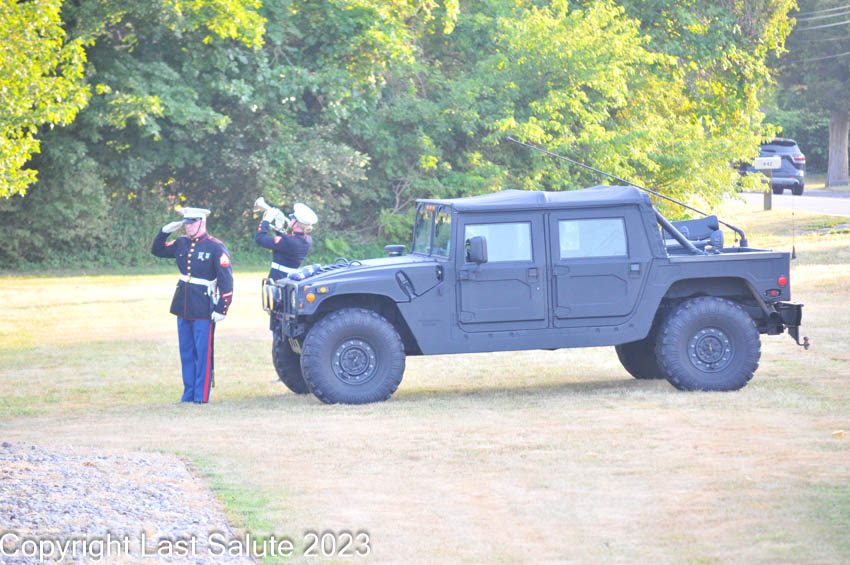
196 355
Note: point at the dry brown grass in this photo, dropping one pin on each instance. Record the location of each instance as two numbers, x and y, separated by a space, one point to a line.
532 456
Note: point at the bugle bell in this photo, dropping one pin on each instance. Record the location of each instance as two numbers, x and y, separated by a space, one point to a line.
260 205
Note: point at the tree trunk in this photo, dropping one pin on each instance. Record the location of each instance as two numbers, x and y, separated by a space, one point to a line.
837 170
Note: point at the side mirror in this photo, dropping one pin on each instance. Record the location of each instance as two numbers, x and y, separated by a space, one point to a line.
476 249
394 250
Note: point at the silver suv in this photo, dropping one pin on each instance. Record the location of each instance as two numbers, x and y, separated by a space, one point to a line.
793 170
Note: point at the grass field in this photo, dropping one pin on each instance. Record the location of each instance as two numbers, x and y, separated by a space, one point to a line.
818 181
492 458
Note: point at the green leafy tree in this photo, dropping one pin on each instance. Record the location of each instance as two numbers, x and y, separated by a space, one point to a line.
722 52
815 76
40 84
359 107
587 80
160 77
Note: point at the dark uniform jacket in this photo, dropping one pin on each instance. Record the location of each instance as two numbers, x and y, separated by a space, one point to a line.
202 259
288 250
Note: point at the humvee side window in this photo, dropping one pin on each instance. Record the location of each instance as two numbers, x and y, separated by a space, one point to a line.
422 231
505 242
442 233
598 237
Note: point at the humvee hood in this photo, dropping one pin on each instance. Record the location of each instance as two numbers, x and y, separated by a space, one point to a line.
372 266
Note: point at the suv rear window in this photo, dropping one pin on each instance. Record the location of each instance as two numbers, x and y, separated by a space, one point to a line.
780 146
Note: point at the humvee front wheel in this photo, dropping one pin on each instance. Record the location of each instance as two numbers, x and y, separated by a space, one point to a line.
353 356
638 358
708 343
287 363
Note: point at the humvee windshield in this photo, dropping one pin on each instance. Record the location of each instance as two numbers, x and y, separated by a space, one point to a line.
422 230
432 231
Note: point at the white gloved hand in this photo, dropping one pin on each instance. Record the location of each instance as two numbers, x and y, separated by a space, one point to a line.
270 214
171 227
280 222
216 317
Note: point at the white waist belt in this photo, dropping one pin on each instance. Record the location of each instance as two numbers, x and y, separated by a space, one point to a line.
212 286
195 280
283 269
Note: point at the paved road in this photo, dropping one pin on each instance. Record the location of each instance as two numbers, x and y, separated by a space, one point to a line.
819 201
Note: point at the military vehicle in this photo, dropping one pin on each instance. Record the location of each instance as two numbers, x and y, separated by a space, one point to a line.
518 270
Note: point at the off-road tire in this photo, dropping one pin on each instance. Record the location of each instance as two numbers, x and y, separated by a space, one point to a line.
778 190
797 189
353 356
708 343
638 358
287 363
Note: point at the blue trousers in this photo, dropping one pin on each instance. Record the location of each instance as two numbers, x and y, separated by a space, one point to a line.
196 356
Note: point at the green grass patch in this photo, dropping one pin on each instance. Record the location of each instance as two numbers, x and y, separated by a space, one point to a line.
818 181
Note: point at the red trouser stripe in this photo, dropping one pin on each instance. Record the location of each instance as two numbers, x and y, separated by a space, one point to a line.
209 352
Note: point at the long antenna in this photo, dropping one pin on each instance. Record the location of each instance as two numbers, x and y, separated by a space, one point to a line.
739 231
793 227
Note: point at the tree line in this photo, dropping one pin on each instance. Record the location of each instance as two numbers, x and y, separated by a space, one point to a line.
115 112
812 98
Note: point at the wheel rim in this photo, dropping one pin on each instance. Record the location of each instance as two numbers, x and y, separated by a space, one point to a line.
710 350
355 362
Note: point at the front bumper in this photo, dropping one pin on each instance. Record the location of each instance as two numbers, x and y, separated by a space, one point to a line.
786 180
278 301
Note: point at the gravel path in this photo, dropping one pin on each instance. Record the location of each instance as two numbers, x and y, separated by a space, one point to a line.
74 498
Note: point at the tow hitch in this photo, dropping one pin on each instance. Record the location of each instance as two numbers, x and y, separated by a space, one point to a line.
792 316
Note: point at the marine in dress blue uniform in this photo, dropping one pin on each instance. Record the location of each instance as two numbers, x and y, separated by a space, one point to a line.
289 243
202 297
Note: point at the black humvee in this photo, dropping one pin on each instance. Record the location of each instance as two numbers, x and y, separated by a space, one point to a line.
536 270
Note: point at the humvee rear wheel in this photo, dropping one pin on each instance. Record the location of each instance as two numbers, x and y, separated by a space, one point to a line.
287 363
708 343
353 356
638 358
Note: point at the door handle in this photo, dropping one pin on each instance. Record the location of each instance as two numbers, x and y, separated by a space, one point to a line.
533 274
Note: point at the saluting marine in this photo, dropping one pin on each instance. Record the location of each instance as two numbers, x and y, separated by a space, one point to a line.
203 295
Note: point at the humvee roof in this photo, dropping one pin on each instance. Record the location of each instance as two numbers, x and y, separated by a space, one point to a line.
596 196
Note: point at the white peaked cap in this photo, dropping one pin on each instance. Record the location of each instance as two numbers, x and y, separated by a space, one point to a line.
194 213
304 214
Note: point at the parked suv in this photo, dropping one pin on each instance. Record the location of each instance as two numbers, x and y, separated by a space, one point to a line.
793 170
